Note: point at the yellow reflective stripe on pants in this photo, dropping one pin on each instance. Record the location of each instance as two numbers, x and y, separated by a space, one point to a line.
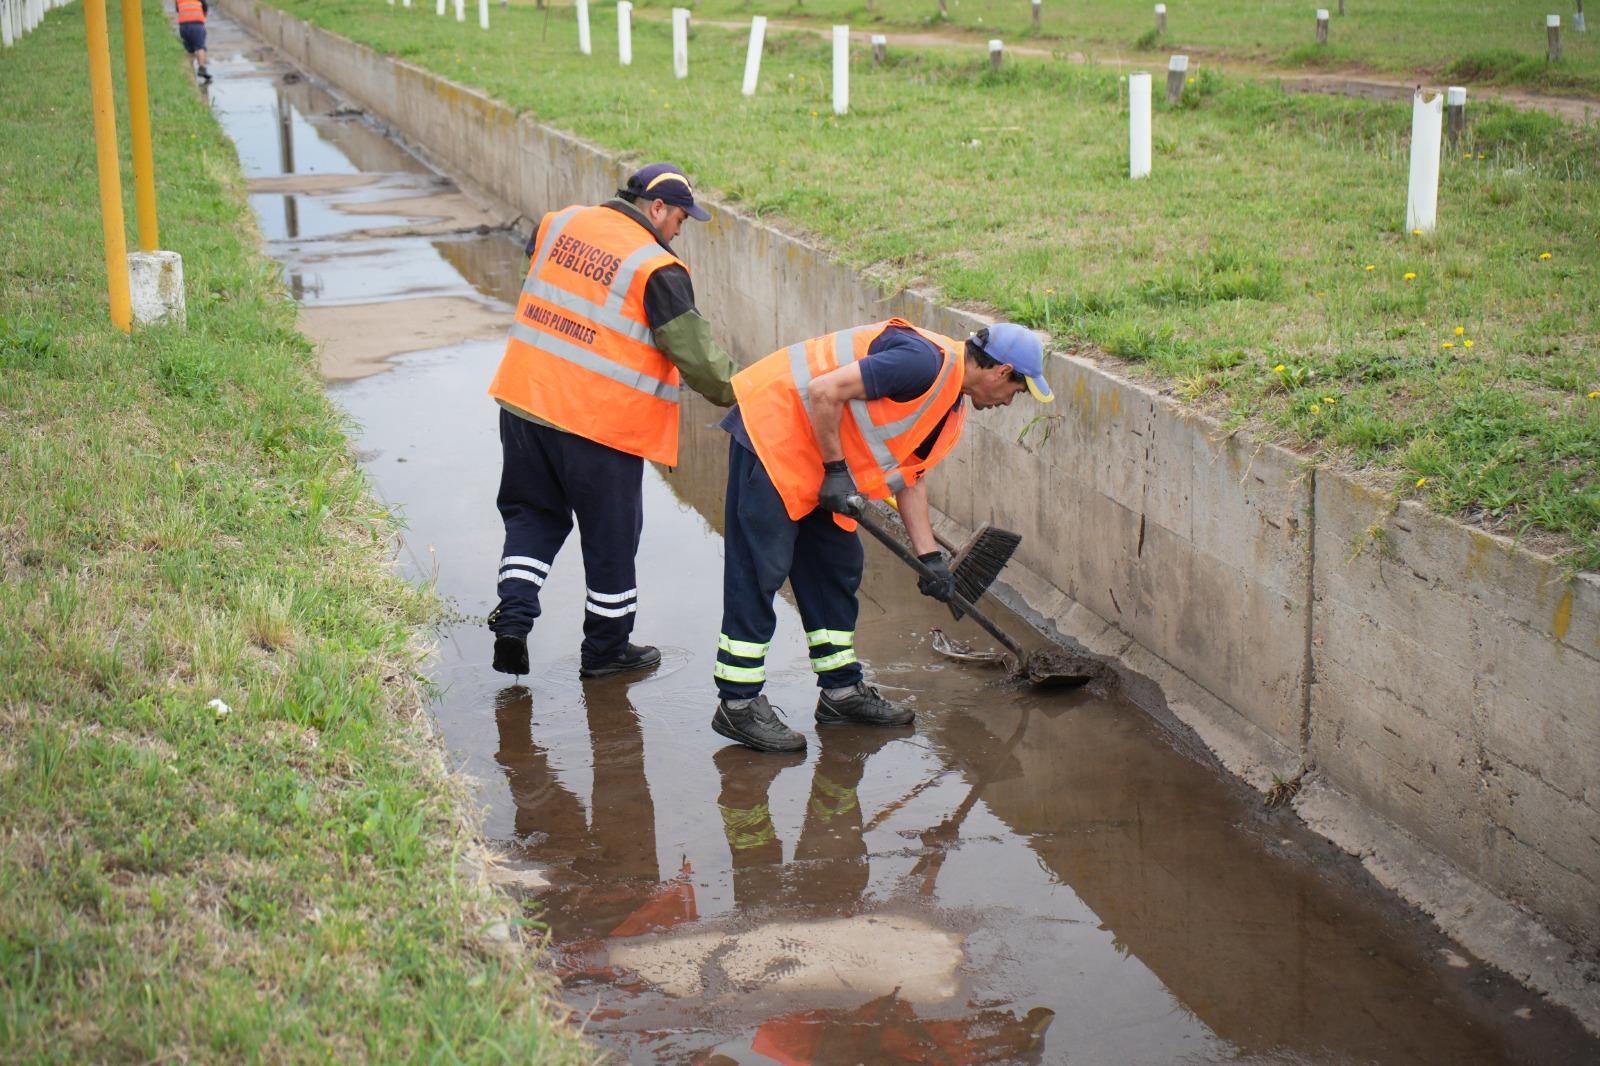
739 673
834 661
843 638
744 649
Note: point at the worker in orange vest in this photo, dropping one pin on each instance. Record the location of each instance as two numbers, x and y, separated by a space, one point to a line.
606 332
192 31
866 412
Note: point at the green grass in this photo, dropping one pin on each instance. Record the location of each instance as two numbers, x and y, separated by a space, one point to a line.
1500 42
1248 249
181 519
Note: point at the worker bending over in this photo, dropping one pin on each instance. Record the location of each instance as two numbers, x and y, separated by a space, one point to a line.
863 411
606 329
192 31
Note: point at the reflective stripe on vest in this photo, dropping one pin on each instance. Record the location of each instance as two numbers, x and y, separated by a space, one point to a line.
882 455
191 11
581 354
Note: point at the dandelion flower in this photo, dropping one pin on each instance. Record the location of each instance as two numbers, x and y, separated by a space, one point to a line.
1448 344
1481 155
1460 330
1049 292
1371 266
1467 343
1278 369
1544 255
1416 233
1316 408
1411 275
1191 81
1330 399
1594 395
1421 481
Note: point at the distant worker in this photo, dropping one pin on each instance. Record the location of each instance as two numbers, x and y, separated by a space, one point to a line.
192 30
605 329
865 411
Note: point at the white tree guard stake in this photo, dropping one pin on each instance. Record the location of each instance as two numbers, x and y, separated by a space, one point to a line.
1422 197
625 33
1577 19
680 42
483 14
752 54
1139 125
461 10
391 3
439 8
880 49
1552 33
1322 25
405 3
1177 75
584 45
1038 12
1161 18
5 23
997 52
841 69
1455 100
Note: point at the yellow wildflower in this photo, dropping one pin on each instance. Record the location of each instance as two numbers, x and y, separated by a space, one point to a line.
1448 344
1467 343
1411 276
1460 330
1316 408
1595 395
1416 233
1421 481
1330 399
1371 266
1544 255
1481 155
1278 369
1191 81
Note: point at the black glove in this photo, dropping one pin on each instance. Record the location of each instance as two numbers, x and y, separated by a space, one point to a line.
837 488
941 584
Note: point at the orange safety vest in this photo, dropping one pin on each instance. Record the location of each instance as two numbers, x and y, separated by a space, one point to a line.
191 11
581 355
880 437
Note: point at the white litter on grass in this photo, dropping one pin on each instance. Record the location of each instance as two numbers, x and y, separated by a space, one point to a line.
870 955
222 709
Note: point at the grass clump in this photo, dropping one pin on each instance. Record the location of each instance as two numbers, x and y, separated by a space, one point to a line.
1272 226
275 876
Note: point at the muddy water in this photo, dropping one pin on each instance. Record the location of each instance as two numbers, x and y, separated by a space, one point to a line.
1026 875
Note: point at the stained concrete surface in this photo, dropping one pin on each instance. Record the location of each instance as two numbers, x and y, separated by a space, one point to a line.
1025 876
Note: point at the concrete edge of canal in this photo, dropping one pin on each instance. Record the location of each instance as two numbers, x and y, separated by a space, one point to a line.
1430 685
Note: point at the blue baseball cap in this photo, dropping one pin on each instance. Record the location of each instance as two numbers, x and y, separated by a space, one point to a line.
665 182
1007 342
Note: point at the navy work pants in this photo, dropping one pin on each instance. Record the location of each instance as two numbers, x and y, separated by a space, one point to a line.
547 479
763 546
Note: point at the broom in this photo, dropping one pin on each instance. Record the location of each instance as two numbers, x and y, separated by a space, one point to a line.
977 563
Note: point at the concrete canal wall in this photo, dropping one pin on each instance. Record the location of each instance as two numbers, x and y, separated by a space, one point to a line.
1441 685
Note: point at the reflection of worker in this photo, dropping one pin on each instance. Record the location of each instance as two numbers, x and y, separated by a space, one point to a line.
192 31
867 410
605 328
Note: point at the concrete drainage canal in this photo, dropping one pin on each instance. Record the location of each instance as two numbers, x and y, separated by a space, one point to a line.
1027 875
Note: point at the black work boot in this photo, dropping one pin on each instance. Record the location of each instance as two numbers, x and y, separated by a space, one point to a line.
755 724
510 654
861 705
631 657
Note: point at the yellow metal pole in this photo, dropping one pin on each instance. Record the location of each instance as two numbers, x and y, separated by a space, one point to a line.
105 150
144 164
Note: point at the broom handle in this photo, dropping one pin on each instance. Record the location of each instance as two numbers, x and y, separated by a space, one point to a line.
907 556
938 538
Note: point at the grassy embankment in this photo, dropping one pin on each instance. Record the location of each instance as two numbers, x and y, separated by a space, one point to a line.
180 520
1492 42
1263 273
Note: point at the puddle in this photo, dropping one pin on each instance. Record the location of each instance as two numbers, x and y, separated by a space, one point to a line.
1028 875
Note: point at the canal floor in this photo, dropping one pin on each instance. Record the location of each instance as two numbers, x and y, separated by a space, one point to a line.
1024 876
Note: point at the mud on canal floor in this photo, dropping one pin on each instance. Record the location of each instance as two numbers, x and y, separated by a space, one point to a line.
1027 875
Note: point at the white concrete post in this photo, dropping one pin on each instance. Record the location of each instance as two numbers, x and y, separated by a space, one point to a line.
1552 33
1139 125
1038 12
880 49
997 52
5 23
405 3
1161 18
483 14
1177 75
439 8
461 10
841 69
752 54
155 283
1577 19
1422 197
1455 99
625 33
391 3
680 42
584 45
1322 25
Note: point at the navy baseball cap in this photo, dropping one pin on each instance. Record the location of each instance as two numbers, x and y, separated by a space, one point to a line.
1007 342
665 182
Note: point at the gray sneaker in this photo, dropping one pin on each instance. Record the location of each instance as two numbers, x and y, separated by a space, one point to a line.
863 705
756 725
